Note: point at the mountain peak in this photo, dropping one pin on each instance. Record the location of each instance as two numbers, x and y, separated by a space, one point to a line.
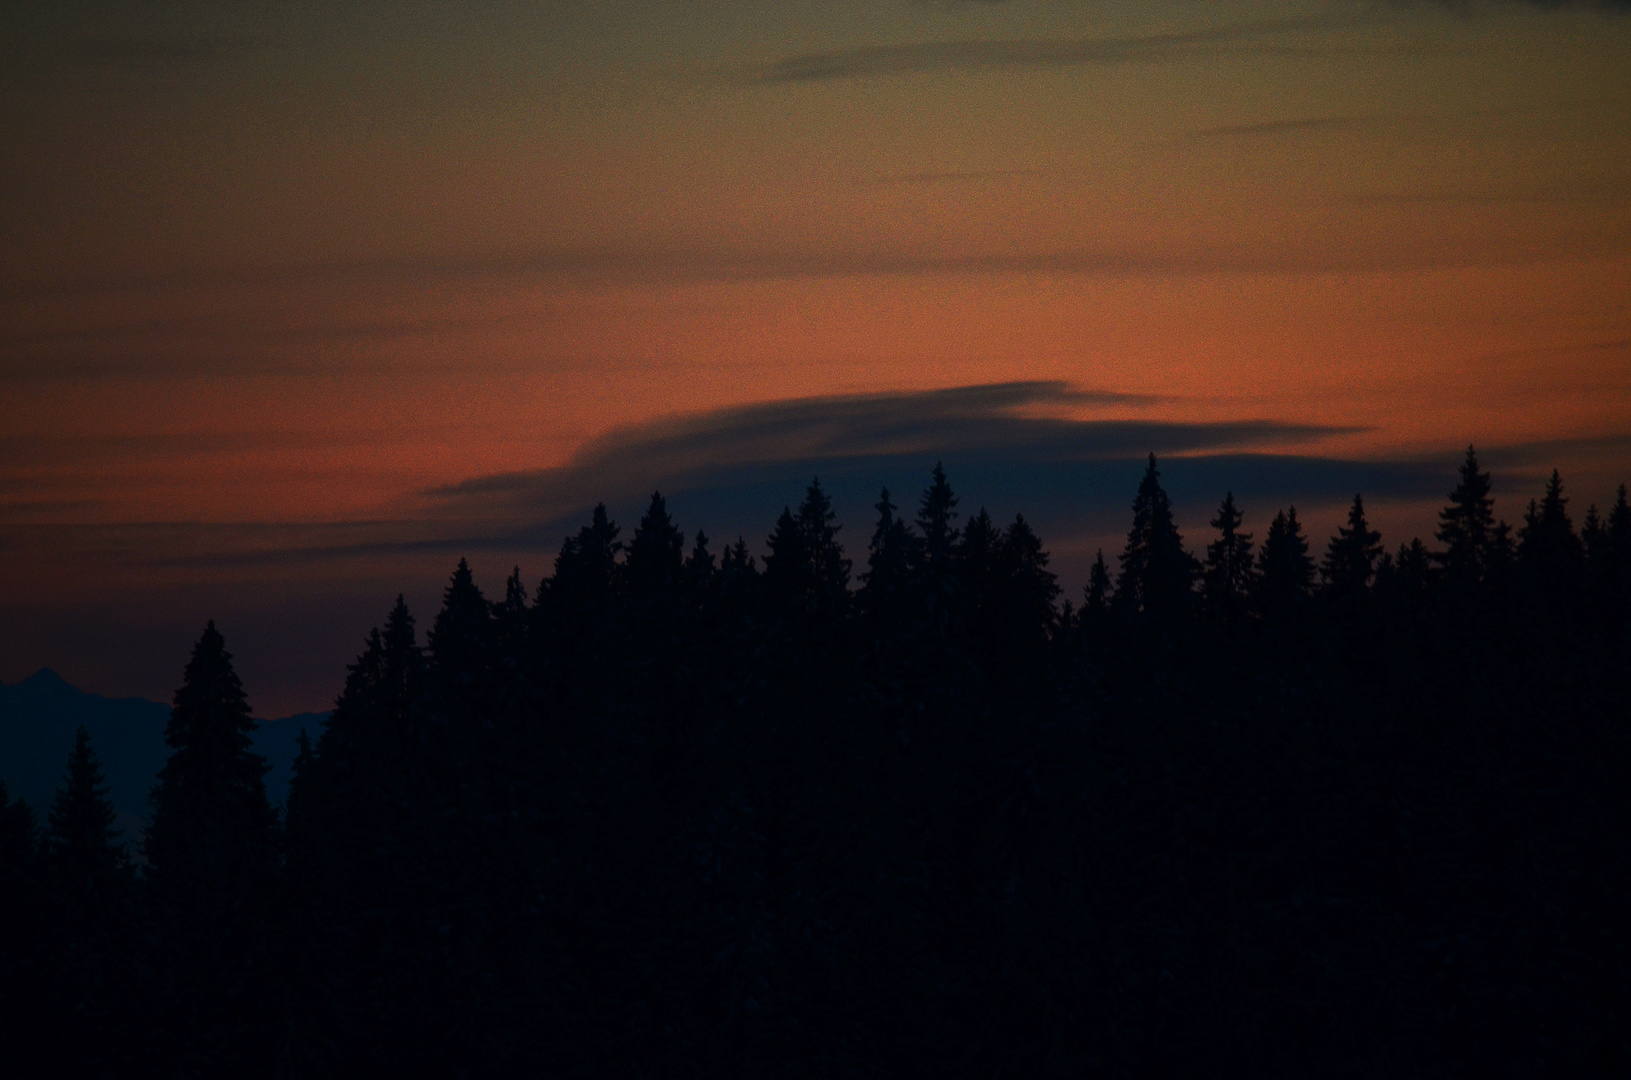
46 679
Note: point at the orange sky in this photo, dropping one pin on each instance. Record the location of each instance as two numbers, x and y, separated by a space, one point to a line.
279 264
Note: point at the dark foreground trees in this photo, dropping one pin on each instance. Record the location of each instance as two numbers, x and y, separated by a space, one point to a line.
674 815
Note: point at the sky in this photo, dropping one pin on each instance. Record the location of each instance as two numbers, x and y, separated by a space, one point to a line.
301 302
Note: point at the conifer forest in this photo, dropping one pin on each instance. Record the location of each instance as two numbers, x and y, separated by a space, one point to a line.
889 804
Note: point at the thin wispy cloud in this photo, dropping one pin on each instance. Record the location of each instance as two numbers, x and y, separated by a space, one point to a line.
1300 126
589 269
957 177
1265 37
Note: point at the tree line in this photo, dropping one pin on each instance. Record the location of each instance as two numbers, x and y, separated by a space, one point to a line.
1242 808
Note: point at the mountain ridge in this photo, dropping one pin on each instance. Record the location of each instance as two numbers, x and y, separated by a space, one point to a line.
39 715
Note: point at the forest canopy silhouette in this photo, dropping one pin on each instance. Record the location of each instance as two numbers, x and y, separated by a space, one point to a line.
887 803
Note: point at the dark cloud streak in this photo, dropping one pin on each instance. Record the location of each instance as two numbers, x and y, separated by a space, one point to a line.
1311 124
989 54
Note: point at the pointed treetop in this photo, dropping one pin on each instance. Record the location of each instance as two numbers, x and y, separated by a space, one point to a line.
1467 524
936 517
1096 595
1285 572
701 561
1228 572
889 556
1350 559
1156 572
819 522
458 640
210 692
83 842
211 821
515 593
1547 543
656 552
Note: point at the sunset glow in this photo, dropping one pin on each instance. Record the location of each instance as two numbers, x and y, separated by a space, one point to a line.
275 277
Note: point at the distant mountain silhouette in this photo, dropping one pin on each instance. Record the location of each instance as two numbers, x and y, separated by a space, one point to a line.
37 720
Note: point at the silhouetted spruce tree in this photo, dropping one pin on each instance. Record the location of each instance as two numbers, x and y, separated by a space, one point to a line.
806 568
1285 572
1467 527
574 620
937 517
579 591
1096 594
1227 576
377 714
789 576
655 560
1350 558
1030 589
886 582
1157 574
93 973
212 854
511 618
356 850
983 573
1548 549
831 569
460 646
300 779
1413 567
512 649
84 848
699 567
936 572
1594 536
210 840
738 586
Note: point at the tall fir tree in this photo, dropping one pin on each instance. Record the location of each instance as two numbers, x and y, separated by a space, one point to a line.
1030 588
983 568
460 640
1594 536
886 581
655 560
806 568
1548 548
788 575
1285 571
937 519
1467 526
212 829
1227 576
1157 574
1097 594
700 569
829 568
1350 558
512 637
585 570
936 580
83 846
